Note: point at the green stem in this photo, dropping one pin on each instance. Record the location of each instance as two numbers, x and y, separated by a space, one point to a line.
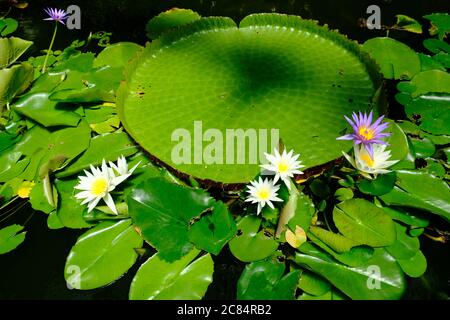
50 48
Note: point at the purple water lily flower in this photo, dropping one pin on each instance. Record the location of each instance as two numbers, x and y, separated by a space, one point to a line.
365 132
58 15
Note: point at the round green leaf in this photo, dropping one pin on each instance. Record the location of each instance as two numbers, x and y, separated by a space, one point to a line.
7 26
102 255
396 60
364 222
250 244
343 194
212 75
183 279
379 186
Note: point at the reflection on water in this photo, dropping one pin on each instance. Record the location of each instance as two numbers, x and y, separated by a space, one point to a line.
35 269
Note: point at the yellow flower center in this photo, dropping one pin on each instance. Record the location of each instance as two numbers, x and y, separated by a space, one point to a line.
99 186
263 194
367 159
283 167
366 133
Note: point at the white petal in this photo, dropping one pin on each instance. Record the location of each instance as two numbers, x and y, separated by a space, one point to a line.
110 203
93 204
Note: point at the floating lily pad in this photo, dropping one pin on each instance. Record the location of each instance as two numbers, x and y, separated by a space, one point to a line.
102 255
10 238
265 280
397 60
365 223
379 279
183 279
251 244
414 191
273 72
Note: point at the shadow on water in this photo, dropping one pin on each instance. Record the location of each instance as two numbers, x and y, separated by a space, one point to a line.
35 269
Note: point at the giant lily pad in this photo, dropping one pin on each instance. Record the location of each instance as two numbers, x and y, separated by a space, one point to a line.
273 72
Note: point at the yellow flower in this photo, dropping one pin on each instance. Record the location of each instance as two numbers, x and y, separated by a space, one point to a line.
25 189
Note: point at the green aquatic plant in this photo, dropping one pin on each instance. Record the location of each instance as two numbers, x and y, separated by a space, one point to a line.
272 72
337 233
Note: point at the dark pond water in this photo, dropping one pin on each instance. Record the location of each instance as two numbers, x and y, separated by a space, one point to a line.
35 269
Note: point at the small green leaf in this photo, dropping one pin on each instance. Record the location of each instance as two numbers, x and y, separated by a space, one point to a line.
8 26
250 243
440 24
214 229
10 238
405 247
423 148
379 186
408 24
265 280
313 284
38 200
184 279
414 266
396 60
70 211
343 194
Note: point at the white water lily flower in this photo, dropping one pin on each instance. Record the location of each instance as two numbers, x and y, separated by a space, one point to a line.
122 167
368 165
283 166
97 185
263 192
